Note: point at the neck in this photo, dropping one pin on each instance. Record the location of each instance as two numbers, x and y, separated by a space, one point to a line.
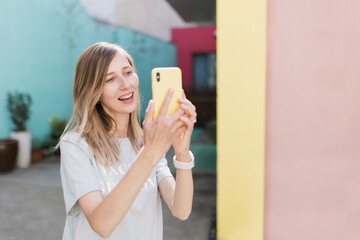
122 122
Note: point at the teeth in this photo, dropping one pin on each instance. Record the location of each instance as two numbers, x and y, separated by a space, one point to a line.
126 97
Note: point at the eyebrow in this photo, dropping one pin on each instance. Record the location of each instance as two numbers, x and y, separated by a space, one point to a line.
121 70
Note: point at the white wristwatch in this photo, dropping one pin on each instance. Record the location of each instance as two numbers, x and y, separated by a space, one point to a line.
184 165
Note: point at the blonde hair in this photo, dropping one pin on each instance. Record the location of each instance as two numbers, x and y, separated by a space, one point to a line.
89 118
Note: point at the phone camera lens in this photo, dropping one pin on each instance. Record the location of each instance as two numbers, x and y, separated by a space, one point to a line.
158 77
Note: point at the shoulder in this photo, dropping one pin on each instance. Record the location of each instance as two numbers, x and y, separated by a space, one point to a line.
73 138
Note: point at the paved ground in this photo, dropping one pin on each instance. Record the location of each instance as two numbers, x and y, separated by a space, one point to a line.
32 205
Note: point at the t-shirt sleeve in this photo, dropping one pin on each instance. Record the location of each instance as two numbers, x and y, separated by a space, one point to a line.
162 170
78 176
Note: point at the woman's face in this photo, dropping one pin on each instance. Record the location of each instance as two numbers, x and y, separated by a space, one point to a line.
120 93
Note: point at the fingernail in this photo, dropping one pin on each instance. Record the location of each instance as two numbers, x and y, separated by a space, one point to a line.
171 90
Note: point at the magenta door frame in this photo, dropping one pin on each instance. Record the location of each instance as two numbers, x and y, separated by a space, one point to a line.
189 41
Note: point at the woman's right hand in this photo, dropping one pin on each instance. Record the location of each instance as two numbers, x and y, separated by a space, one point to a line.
159 133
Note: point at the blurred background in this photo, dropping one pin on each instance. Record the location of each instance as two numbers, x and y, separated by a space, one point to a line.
275 83
40 44
42 41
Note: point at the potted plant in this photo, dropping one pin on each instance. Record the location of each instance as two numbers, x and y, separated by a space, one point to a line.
36 153
57 126
18 105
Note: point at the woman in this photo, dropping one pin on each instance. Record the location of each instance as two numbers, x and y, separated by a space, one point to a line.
112 171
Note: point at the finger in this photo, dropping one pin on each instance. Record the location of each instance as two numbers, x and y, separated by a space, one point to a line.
183 93
186 113
175 116
189 129
187 121
190 111
187 102
176 126
149 113
166 103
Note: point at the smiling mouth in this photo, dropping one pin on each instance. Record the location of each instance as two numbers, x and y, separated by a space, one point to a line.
126 97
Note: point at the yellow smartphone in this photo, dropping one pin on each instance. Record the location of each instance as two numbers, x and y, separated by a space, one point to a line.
162 79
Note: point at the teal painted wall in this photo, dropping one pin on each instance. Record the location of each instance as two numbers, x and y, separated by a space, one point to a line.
39 45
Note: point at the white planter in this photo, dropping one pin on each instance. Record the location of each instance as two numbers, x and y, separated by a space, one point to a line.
24 150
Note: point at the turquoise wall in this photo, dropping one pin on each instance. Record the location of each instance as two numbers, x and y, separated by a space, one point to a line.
39 45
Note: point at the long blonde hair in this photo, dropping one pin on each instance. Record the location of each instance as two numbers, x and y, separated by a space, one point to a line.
89 118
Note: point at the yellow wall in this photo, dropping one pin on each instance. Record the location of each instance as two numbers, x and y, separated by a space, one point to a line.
241 59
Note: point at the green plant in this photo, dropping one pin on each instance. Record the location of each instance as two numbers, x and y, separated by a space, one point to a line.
18 105
57 126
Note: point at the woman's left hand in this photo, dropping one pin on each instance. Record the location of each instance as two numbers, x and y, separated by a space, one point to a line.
181 143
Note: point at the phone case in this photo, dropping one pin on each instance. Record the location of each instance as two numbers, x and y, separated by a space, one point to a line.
162 80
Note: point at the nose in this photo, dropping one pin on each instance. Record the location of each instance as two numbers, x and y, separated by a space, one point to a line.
123 84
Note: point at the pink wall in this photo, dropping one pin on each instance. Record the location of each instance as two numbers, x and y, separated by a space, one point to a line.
190 41
313 120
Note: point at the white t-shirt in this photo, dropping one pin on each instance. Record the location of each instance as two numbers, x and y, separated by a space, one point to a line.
82 173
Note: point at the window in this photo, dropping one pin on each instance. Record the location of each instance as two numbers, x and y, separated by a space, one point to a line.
204 74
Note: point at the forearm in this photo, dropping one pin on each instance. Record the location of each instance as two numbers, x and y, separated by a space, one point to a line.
183 196
109 213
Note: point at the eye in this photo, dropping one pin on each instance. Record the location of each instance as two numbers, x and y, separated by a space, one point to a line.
109 80
128 73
